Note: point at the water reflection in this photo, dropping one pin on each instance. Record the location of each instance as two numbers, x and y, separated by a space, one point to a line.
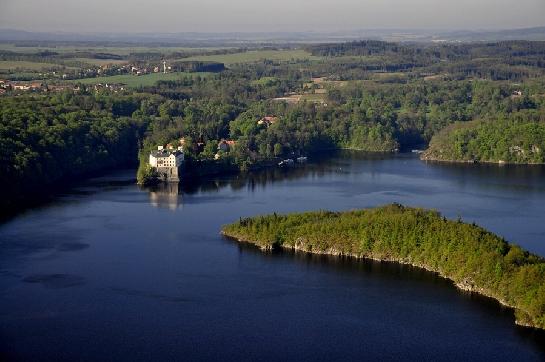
103 256
169 195
383 274
166 195
507 177
342 163
333 162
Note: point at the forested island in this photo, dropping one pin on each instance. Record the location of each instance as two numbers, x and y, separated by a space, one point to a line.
268 104
473 258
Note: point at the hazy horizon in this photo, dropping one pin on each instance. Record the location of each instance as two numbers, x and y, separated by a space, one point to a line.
169 16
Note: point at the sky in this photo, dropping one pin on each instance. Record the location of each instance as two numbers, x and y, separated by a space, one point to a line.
170 16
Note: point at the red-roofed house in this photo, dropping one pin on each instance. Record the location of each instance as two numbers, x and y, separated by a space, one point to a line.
267 120
226 146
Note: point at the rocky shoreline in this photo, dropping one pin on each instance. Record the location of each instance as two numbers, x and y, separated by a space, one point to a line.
427 158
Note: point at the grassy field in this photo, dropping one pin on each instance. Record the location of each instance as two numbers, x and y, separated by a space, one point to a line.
14 64
388 75
315 98
137 81
296 98
339 83
265 81
255 55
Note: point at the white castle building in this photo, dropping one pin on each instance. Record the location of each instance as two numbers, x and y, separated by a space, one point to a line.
167 162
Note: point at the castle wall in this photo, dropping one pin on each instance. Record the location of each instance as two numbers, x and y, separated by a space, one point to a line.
171 174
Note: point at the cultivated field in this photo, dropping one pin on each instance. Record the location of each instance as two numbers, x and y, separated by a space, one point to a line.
11 65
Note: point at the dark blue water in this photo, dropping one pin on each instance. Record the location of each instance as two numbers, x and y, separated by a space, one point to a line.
114 272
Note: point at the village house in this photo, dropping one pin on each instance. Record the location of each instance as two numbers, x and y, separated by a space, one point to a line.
267 121
57 88
317 80
226 145
114 87
20 86
167 163
4 86
25 86
223 146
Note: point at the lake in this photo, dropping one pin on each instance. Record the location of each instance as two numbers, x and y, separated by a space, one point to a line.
111 271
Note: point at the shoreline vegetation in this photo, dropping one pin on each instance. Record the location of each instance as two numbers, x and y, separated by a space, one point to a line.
502 141
51 140
473 258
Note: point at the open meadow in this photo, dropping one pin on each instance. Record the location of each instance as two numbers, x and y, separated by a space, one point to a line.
12 65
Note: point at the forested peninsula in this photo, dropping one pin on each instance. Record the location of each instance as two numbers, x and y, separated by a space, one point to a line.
505 140
473 258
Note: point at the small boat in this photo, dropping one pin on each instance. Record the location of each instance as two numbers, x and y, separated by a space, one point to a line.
287 162
301 159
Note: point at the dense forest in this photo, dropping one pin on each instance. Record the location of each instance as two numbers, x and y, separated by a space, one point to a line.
508 60
472 257
516 139
48 139
371 96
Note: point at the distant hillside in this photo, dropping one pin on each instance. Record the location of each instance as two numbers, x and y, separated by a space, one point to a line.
203 39
537 33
